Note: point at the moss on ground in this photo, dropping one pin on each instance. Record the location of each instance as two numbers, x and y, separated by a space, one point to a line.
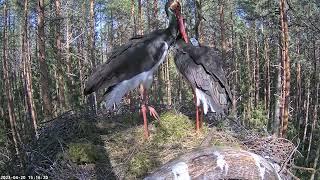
82 153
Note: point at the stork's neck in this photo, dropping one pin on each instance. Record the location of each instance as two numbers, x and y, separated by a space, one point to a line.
173 25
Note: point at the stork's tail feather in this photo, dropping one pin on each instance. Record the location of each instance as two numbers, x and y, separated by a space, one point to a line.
216 104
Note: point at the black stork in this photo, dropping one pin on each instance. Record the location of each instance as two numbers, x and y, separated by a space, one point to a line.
202 67
134 63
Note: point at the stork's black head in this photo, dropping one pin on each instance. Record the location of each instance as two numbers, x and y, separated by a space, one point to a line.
173 9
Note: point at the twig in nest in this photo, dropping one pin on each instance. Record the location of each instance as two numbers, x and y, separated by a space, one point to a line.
289 157
303 168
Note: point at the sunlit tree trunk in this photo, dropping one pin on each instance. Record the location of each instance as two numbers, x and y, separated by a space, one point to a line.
44 72
286 67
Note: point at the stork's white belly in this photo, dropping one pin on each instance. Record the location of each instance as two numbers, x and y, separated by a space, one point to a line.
144 78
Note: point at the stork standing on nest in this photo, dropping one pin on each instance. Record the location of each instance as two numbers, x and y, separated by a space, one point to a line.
202 67
134 63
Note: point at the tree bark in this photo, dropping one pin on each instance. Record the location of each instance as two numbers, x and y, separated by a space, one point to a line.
286 67
198 28
58 53
10 122
169 97
222 30
257 70
44 73
91 43
307 115
140 17
26 61
267 77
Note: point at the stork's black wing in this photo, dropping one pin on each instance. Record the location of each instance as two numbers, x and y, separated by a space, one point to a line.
140 54
210 60
203 69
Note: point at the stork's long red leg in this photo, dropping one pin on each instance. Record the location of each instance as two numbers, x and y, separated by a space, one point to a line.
200 116
197 119
197 111
144 111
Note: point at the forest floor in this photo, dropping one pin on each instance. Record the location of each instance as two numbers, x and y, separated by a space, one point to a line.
79 145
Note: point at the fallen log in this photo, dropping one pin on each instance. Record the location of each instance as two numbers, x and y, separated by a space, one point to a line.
216 163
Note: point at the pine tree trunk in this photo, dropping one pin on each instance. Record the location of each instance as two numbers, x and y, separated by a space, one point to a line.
140 17
44 73
26 61
133 16
91 49
307 115
316 99
286 67
169 97
267 77
58 53
299 121
155 15
222 30
277 106
10 122
257 71
198 28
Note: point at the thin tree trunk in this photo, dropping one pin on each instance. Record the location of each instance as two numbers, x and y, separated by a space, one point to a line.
257 70
222 30
91 43
58 53
248 64
316 100
44 73
169 97
11 126
299 121
140 17
133 16
155 15
267 77
307 114
277 107
26 60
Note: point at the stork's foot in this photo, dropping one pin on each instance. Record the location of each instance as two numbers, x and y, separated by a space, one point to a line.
154 113
145 121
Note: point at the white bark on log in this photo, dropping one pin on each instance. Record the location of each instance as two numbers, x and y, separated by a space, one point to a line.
216 163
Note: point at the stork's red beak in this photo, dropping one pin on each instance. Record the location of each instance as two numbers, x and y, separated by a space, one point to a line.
182 29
